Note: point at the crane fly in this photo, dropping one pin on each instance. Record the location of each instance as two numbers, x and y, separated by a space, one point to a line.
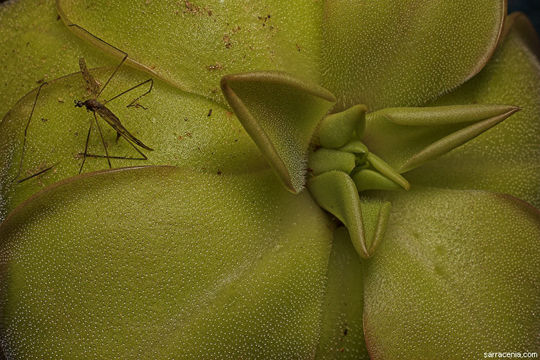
98 107
94 106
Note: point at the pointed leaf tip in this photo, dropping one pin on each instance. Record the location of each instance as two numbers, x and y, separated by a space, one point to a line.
280 113
337 129
365 220
422 134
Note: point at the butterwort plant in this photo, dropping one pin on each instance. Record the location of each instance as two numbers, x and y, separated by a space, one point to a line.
329 179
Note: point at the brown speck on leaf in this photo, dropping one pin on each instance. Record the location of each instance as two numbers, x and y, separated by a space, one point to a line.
216 66
60 100
298 47
190 8
186 119
58 17
264 19
229 114
189 135
227 41
209 113
41 81
341 349
219 172
44 119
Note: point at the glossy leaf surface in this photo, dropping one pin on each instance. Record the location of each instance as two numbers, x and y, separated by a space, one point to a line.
161 263
456 267
387 53
183 130
280 113
342 333
506 158
422 134
37 47
193 44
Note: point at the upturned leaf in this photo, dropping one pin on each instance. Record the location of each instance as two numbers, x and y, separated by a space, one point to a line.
505 159
280 113
419 135
336 192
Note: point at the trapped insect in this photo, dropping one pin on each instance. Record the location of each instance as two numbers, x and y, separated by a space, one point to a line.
96 106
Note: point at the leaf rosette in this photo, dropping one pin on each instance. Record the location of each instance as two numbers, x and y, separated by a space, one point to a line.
330 179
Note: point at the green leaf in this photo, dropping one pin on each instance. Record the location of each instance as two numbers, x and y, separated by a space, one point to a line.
280 113
164 263
37 47
336 192
385 169
418 135
183 129
367 179
456 276
506 158
403 53
192 44
336 130
342 333
324 160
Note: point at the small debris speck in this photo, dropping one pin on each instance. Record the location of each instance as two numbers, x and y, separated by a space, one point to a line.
209 113
216 66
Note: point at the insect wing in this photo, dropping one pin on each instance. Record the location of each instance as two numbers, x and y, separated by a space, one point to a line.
91 83
115 123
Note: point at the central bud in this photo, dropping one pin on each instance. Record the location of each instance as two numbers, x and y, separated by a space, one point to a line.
341 168
340 149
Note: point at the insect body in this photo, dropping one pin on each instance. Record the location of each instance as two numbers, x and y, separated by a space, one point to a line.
96 107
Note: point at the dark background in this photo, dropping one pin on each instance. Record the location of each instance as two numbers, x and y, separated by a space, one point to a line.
529 7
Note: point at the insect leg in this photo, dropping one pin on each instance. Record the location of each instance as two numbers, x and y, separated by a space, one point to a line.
37 174
86 145
137 149
116 157
124 54
151 81
26 130
103 141
143 156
